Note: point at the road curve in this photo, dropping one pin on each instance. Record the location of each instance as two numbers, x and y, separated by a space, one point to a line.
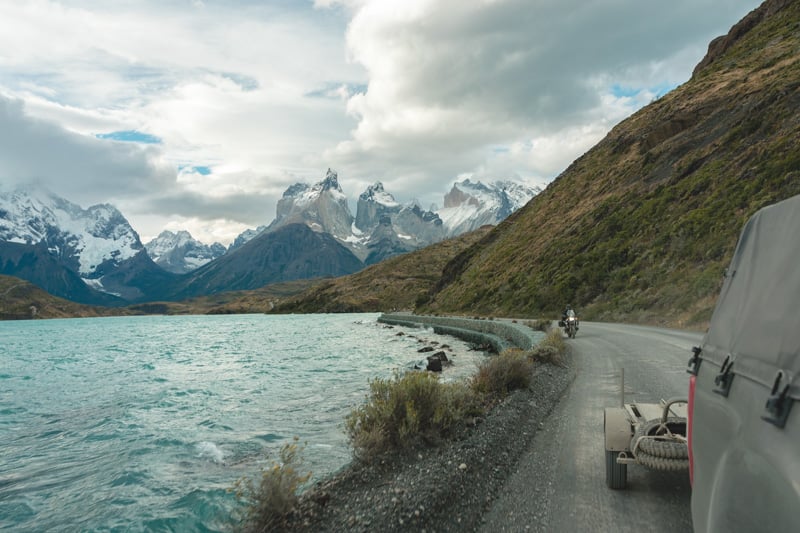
560 482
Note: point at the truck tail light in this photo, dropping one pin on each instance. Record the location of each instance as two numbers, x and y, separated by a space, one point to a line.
689 425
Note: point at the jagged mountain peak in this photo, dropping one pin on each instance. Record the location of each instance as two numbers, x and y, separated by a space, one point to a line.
246 236
331 181
295 190
376 193
322 207
471 204
381 219
180 252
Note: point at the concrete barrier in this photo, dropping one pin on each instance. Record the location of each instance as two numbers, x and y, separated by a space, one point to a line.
500 334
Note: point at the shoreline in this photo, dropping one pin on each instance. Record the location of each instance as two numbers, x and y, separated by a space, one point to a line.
501 334
445 486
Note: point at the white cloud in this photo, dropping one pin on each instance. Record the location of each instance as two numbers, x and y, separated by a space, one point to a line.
34 150
269 92
448 80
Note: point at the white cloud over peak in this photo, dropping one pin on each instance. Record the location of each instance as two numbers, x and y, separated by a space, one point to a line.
260 94
447 79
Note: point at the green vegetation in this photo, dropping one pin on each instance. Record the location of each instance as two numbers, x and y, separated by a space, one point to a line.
539 325
267 504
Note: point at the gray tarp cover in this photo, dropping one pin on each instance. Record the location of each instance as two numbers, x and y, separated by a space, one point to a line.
757 318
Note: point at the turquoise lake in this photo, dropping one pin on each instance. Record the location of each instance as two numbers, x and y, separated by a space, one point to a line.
145 423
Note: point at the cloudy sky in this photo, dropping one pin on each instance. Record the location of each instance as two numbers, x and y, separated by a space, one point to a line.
198 114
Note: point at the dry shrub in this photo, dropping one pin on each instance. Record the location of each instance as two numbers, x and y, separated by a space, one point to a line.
411 408
503 373
552 349
268 503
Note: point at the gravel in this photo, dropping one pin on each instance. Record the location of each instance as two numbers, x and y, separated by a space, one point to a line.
436 489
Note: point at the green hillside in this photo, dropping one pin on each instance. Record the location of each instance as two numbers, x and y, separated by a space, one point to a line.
642 226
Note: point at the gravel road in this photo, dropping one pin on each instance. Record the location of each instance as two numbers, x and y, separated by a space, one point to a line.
560 481
535 463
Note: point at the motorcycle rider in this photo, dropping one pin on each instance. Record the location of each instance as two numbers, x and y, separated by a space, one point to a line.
569 312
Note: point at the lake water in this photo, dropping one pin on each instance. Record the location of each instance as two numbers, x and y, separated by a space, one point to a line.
144 423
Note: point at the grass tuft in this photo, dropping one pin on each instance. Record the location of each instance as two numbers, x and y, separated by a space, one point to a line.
406 410
267 503
501 374
552 349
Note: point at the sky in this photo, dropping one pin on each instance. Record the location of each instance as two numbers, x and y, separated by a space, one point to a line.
198 114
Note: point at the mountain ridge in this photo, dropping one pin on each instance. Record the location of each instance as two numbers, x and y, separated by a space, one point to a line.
288 253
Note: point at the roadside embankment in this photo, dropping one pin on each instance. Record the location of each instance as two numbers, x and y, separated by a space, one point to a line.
499 334
448 485
445 488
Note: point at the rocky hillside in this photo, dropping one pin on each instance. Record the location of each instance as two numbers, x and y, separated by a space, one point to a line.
643 225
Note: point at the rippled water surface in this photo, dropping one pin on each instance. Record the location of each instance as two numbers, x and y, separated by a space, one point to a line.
144 423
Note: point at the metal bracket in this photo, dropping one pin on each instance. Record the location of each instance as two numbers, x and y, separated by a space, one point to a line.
669 403
724 379
778 404
694 362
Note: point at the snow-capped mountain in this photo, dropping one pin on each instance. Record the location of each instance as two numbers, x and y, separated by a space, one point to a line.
88 240
96 243
470 205
409 222
80 254
245 236
373 204
180 252
322 207
383 226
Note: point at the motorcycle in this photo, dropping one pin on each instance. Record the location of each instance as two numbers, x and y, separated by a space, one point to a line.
570 325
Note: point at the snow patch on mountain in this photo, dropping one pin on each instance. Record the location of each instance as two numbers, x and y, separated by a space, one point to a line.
86 239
